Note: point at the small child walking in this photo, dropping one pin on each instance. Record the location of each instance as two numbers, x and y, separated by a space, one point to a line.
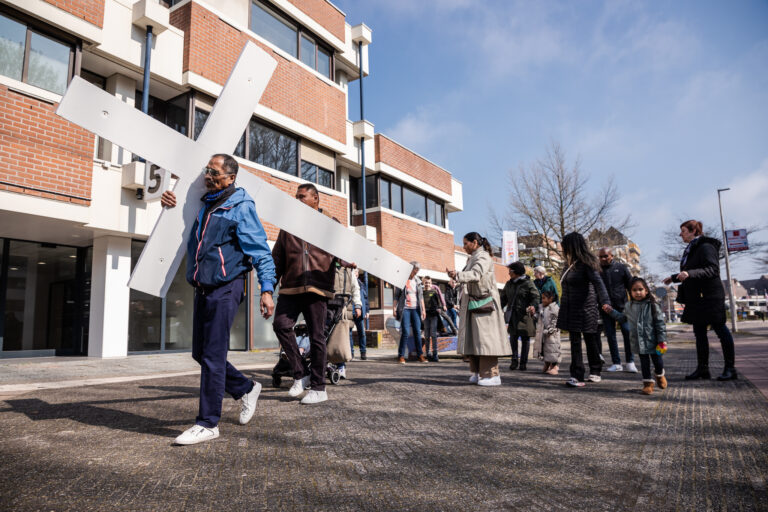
647 332
547 344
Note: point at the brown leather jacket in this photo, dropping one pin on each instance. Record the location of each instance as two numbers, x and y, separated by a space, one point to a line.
301 267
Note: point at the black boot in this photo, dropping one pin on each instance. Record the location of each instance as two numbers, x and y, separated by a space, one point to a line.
701 372
435 358
513 364
729 373
522 367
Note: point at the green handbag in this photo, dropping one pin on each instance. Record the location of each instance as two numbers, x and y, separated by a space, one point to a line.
481 304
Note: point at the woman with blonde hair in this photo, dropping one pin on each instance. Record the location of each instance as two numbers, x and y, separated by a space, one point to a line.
482 336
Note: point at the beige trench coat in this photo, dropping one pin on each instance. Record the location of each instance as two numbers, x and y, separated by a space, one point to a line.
481 334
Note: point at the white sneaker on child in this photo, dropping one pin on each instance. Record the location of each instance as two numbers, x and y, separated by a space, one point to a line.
630 367
474 378
490 381
614 368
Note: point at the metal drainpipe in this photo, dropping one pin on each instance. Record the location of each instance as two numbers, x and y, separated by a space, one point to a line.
362 164
147 58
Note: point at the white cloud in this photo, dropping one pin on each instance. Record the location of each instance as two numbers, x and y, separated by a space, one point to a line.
426 133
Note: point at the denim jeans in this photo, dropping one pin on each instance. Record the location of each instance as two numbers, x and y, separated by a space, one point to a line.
360 324
609 327
702 344
410 324
454 315
430 331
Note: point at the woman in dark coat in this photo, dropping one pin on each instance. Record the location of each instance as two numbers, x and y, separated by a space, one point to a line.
701 291
582 287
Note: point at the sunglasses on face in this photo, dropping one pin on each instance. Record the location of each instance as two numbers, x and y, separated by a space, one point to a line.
213 172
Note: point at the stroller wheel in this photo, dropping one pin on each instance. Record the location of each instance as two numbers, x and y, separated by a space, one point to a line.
334 376
276 380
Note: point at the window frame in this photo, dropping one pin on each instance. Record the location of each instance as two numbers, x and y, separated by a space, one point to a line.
317 174
34 25
391 183
300 31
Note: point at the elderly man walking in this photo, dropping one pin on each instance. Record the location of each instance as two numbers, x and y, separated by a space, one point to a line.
616 277
227 240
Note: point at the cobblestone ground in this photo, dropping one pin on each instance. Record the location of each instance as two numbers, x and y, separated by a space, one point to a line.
414 437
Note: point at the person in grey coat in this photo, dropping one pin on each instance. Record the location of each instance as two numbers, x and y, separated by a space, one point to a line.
482 337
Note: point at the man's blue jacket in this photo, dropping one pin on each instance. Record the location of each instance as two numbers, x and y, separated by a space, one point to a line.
227 243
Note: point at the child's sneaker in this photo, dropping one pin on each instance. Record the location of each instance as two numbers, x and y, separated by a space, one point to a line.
614 368
647 387
474 378
553 370
572 382
661 381
630 367
594 378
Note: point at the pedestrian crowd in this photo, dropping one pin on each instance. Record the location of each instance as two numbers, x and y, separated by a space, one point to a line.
227 241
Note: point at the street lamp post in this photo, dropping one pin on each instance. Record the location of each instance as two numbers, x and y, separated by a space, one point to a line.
727 262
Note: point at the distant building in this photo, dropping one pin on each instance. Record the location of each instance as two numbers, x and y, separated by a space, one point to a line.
624 249
538 249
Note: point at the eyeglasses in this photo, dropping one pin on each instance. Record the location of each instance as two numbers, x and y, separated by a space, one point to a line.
213 172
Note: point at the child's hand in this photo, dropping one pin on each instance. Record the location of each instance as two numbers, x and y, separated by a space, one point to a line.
607 308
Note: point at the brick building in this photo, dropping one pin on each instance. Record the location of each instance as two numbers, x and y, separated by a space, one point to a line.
72 216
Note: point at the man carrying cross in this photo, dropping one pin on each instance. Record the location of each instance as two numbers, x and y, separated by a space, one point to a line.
226 241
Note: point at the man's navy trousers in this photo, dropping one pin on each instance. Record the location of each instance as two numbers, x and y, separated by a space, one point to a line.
215 310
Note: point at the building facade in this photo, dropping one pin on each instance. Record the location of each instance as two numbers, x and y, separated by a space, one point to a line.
73 219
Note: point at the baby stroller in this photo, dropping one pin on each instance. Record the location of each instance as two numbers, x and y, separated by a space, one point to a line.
335 311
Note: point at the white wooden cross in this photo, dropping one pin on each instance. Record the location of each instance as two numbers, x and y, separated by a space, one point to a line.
99 112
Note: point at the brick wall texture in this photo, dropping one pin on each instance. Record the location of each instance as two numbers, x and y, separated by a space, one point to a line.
91 11
336 206
41 150
402 159
412 241
323 13
211 48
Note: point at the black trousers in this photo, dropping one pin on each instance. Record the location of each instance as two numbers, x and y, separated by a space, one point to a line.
702 344
313 307
525 341
645 365
593 356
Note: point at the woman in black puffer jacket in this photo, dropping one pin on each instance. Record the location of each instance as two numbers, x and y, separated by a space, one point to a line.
582 287
701 291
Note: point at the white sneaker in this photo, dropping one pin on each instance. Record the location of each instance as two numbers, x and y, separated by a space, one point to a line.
614 368
474 378
630 367
314 397
572 382
248 403
299 386
197 434
490 381
343 373
594 378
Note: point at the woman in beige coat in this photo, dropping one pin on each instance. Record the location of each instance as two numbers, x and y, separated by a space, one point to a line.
482 336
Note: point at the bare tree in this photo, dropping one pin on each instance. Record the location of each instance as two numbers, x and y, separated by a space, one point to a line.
552 199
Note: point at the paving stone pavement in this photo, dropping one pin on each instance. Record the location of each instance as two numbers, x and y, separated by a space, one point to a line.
415 437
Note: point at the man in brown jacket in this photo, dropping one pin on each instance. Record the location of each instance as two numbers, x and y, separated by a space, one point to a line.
306 276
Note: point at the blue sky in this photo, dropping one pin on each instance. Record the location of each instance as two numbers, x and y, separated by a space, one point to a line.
668 97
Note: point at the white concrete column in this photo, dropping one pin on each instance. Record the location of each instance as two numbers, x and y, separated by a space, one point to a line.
124 88
110 297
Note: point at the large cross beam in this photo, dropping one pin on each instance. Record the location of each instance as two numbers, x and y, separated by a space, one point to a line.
123 125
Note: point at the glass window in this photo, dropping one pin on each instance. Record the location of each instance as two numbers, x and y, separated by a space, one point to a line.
371 200
308 171
273 28
374 285
307 51
384 192
176 113
388 295
272 149
13 37
325 177
44 63
40 310
415 205
324 62
143 314
439 215
430 211
315 174
179 307
48 63
240 149
201 116
397 197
